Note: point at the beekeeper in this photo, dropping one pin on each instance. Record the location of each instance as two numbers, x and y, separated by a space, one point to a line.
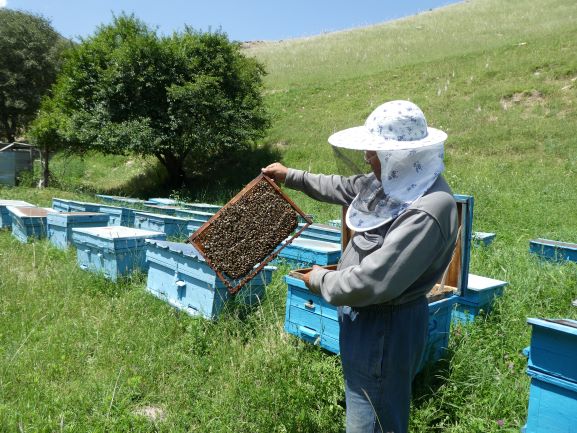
404 220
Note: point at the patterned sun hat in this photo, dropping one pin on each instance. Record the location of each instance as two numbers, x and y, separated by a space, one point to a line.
391 126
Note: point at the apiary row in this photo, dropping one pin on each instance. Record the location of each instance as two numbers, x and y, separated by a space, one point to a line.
178 274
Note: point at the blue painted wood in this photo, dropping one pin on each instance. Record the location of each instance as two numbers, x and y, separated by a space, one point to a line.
479 297
552 404
203 207
163 201
309 317
29 223
553 348
483 238
118 216
5 218
113 251
61 204
193 214
307 252
160 209
60 225
321 232
179 275
118 200
193 225
83 206
171 225
553 250
465 208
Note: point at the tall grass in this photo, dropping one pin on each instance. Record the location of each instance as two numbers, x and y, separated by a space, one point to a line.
78 353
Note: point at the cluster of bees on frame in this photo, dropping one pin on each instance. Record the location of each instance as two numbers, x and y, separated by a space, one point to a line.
248 231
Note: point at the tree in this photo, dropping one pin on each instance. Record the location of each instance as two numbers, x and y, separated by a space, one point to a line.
184 98
29 59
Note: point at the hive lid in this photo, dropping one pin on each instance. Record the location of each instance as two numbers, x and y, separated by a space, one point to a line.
30 212
19 203
244 235
116 232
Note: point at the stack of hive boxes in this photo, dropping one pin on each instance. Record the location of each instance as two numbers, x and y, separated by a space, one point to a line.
552 367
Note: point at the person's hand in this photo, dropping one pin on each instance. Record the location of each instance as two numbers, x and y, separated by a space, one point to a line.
307 276
276 171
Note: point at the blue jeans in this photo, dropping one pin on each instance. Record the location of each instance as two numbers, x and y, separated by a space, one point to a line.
381 348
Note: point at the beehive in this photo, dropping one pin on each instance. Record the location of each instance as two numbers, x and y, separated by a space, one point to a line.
202 207
553 250
193 214
113 251
160 208
61 204
118 216
178 274
163 201
29 222
170 225
60 225
126 201
321 232
5 218
244 235
479 297
307 252
312 319
553 372
83 206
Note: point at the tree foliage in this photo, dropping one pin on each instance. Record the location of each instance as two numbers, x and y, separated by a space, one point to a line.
30 53
185 98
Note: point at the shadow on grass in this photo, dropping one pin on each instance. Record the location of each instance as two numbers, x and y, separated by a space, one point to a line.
214 181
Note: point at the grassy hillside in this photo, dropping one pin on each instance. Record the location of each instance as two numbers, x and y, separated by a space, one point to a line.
78 353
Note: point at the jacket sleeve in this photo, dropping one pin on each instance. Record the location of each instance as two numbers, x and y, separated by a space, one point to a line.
328 188
410 247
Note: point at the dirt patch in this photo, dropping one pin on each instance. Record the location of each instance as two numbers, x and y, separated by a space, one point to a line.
153 413
526 99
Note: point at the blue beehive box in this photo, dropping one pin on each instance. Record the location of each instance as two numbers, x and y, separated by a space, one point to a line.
61 204
113 251
190 214
5 218
553 250
161 209
307 252
553 347
171 225
304 320
118 216
29 222
178 274
126 201
321 232
483 238
193 225
82 206
163 201
60 225
309 317
479 297
552 404
203 207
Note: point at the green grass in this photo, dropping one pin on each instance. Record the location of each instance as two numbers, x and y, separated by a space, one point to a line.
78 353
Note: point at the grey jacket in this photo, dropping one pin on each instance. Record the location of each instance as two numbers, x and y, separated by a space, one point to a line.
395 263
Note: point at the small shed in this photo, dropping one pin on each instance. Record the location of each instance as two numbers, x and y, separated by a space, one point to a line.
14 159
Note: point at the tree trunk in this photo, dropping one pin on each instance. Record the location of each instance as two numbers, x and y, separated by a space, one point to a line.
174 168
46 169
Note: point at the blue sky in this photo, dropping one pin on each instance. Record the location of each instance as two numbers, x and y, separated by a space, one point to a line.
247 20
